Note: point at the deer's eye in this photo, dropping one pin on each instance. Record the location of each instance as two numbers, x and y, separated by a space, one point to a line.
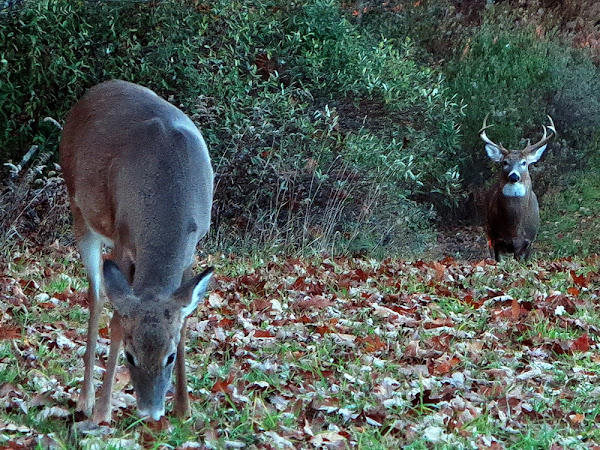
523 163
170 359
130 359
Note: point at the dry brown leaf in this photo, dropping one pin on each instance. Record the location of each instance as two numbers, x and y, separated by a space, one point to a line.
263 334
9 332
327 438
576 419
582 344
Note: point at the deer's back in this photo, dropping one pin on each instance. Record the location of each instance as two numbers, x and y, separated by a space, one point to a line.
137 170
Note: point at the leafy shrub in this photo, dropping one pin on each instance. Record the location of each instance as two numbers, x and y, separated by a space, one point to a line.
321 135
425 22
505 72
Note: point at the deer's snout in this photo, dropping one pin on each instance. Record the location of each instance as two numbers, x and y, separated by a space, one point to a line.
150 388
155 414
514 177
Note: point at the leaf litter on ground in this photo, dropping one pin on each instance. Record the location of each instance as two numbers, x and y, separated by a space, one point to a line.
329 352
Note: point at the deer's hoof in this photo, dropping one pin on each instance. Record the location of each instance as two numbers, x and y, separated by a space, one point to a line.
85 404
101 417
89 428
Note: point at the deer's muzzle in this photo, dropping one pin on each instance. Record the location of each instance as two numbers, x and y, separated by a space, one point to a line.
154 414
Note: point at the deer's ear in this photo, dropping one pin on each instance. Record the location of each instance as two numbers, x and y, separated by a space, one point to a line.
494 153
536 155
118 291
191 293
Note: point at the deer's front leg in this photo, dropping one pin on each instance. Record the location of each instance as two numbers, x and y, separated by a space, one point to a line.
102 411
181 407
90 248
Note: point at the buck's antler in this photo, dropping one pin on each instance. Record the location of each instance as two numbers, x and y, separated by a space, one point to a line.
545 138
487 140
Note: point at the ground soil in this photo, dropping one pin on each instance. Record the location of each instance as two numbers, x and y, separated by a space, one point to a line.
461 242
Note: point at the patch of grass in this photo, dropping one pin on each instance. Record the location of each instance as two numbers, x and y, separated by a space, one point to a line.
569 217
540 438
547 330
9 368
58 285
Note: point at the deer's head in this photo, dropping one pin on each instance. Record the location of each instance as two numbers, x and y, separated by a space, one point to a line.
151 326
514 177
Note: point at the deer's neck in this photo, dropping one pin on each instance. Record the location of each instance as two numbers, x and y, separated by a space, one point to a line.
519 189
156 260
159 274
515 199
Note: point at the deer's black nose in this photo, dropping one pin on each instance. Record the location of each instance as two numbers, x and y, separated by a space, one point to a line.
513 177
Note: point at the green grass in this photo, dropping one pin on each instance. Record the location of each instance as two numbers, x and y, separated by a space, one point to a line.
570 223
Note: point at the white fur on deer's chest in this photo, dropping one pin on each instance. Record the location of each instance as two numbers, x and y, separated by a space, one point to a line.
514 190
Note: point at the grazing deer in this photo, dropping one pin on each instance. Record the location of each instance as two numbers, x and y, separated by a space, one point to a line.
140 180
513 214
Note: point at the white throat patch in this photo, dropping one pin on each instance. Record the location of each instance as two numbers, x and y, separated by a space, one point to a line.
514 190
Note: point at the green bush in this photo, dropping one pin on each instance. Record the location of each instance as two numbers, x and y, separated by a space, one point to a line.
321 135
506 72
425 22
51 52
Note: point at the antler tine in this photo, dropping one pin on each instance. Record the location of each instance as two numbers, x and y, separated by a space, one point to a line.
485 126
486 139
551 126
545 138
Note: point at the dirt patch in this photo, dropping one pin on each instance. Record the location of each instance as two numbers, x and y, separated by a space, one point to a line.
461 242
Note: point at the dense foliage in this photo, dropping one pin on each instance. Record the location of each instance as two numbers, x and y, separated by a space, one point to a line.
331 125
319 133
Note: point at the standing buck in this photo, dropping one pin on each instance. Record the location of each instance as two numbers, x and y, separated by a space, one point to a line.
140 180
513 215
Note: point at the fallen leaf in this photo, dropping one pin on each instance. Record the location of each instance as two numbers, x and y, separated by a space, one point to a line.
316 301
579 280
223 385
581 344
573 291
9 332
263 334
576 419
328 437
52 411
373 343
